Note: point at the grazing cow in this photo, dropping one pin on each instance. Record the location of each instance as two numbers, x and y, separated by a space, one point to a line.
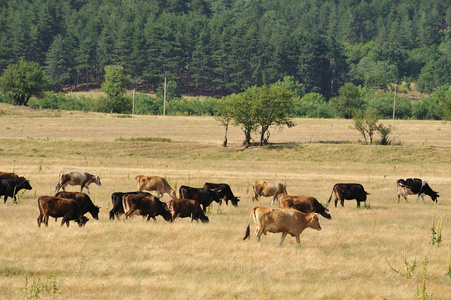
76 178
305 204
187 208
9 188
268 189
224 192
116 200
285 220
155 183
413 186
348 191
145 205
202 195
10 176
57 207
83 200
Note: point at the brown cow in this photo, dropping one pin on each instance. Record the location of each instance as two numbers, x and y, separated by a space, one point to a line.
83 200
57 207
76 178
145 205
10 176
268 189
285 220
155 183
305 204
187 208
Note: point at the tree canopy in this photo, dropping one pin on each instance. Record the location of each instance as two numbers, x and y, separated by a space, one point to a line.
22 81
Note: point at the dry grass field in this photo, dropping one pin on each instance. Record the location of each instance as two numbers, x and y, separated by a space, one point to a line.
349 259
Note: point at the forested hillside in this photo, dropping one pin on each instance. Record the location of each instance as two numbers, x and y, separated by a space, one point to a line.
224 46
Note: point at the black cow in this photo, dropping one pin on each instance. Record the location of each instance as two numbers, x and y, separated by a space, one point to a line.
413 186
224 192
348 191
116 200
9 188
83 201
202 195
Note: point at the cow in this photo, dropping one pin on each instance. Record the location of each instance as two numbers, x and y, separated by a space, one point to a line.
413 186
202 195
116 200
285 220
145 205
83 200
268 189
224 192
305 204
348 191
9 188
155 183
57 207
10 176
187 208
83 179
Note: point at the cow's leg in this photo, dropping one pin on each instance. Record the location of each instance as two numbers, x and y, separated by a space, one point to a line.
6 197
358 203
46 220
298 240
284 235
40 219
128 214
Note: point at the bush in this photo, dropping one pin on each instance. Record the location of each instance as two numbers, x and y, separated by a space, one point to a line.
50 100
313 105
6 98
428 109
383 105
145 104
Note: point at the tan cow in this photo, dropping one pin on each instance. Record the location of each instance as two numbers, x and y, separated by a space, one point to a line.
268 189
285 220
155 183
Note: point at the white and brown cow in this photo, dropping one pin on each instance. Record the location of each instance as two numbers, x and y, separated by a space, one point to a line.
285 220
413 186
268 189
83 179
155 183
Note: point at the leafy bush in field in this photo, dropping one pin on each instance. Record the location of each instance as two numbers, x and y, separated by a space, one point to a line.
182 106
49 100
6 98
383 105
428 109
145 104
313 105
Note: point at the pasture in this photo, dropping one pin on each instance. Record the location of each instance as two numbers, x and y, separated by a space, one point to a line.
349 259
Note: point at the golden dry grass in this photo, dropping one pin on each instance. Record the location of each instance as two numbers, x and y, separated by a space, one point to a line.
189 260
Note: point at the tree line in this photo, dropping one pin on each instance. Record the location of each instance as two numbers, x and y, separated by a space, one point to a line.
220 47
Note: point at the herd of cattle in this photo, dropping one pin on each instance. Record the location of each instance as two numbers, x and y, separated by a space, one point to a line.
294 214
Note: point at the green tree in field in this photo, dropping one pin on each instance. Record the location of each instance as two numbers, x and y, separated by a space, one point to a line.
366 124
223 116
22 81
350 99
115 86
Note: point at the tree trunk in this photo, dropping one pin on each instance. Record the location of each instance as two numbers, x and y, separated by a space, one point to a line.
225 137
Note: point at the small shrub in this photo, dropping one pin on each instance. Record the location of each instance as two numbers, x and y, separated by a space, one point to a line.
409 267
421 292
49 286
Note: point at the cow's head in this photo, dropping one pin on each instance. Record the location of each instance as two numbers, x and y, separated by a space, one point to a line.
81 221
434 195
165 212
313 221
235 200
326 214
95 212
25 184
215 195
173 194
97 181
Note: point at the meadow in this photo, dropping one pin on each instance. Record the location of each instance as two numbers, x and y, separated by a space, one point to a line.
352 257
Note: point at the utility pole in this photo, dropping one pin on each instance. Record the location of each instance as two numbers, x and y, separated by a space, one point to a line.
164 97
394 101
133 106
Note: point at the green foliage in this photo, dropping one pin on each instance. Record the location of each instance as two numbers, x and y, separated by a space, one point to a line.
145 104
383 105
172 91
349 101
290 84
421 291
313 105
39 288
116 82
436 231
22 81
427 109
409 267
366 124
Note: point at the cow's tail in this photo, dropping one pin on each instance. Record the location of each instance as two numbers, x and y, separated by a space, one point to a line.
249 223
124 203
333 189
